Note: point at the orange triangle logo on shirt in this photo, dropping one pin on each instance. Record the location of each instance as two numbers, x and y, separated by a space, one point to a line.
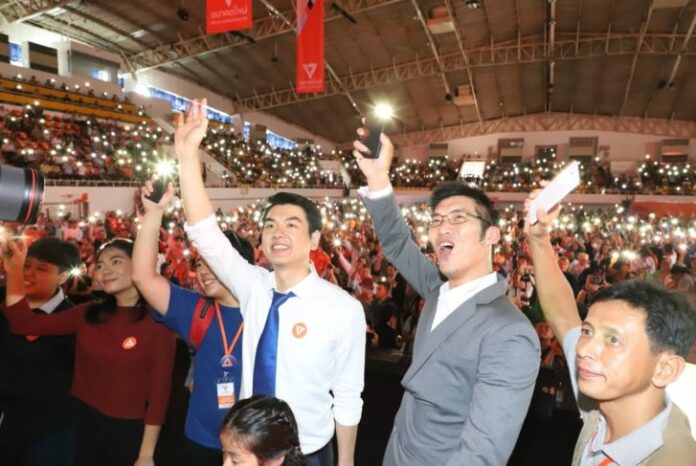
31 337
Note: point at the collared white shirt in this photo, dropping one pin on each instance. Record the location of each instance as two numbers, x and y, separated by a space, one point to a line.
450 299
49 306
321 340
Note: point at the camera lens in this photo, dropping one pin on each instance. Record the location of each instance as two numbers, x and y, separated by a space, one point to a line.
21 194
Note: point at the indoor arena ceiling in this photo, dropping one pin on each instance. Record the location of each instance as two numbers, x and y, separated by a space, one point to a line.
633 58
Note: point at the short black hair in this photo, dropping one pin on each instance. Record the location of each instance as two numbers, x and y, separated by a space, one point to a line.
484 206
670 318
310 208
58 252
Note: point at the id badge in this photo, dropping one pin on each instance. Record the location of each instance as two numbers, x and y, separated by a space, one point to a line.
225 392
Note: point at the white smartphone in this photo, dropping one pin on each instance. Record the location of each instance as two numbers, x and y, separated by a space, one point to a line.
562 184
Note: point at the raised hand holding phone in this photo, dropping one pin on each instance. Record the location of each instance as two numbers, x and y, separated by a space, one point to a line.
150 193
562 185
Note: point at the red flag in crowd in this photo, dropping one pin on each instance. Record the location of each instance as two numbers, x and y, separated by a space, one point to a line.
227 15
310 46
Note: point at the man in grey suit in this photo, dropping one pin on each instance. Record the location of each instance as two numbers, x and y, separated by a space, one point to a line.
476 356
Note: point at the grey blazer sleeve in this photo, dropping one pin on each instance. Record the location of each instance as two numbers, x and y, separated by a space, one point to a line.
507 371
395 237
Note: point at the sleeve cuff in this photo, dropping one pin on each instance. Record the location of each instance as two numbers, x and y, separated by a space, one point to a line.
365 192
348 417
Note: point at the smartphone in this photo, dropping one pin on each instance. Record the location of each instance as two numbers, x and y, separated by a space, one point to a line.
563 183
371 140
159 187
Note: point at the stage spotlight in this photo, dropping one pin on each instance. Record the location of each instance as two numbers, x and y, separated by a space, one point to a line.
183 14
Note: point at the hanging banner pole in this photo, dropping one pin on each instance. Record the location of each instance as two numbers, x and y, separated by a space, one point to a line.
310 46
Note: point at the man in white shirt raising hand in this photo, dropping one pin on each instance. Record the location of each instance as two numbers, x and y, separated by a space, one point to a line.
304 338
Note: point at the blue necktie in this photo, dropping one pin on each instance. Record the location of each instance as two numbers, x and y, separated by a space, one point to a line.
267 351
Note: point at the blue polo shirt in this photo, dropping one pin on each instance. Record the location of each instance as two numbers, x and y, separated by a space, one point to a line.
203 419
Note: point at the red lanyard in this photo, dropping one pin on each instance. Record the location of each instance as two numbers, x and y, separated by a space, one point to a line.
230 348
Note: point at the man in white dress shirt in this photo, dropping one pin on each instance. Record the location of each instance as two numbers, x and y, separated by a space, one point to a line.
320 328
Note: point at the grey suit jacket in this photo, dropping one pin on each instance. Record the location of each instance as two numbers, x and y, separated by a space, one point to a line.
469 385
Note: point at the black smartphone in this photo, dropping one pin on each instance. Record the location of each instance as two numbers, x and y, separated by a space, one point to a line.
371 139
159 187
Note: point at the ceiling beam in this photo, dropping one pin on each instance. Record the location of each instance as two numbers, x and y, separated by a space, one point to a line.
530 50
634 61
498 90
465 57
22 10
669 82
60 26
550 122
109 27
433 46
262 28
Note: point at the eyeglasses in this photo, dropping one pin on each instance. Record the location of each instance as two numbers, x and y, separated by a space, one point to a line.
455 218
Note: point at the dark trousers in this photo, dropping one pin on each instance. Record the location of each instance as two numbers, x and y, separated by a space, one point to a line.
32 434
199 455
322 457
107 441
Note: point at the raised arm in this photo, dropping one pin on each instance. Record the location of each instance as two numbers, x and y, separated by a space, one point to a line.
392 231
555 293
231 269
152 286
190 131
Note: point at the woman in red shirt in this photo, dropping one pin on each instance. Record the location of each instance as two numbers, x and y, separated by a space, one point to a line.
123 358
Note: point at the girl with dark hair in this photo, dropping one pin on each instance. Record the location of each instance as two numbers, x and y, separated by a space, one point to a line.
123 358
261 431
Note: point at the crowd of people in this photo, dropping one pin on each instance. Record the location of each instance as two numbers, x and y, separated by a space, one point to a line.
596 248
513 295
79 147
82 95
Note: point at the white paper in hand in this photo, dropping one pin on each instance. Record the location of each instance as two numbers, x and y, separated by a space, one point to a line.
567 180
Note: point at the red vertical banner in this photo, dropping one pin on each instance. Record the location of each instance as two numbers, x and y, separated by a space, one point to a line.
310 46
227 15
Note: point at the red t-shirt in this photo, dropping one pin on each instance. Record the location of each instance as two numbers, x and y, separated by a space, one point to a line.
320 260
122 368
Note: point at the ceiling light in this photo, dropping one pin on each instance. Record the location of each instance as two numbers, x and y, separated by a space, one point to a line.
473 4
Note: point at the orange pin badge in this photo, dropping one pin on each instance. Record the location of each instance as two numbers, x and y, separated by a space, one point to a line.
299 330
129 343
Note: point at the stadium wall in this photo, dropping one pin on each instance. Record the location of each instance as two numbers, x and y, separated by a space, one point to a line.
622 147
102 199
